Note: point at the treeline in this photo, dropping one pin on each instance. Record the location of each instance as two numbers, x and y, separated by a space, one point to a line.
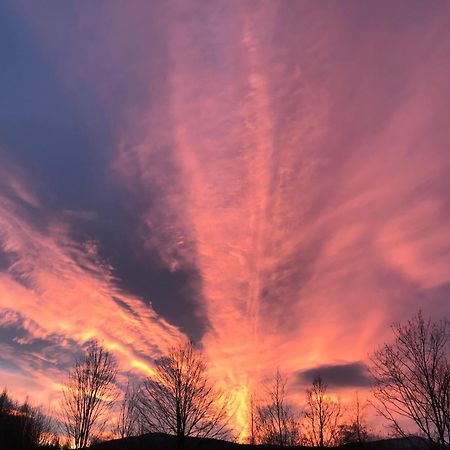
411 385
24 427
322 422
410 390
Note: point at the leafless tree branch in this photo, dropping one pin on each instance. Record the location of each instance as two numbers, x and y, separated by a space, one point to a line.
180 399
412 378
88 395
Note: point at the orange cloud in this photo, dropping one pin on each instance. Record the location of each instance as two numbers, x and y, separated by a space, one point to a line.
55 288
295 156
305 256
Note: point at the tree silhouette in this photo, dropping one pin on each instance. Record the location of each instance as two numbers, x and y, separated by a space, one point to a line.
179 399
88 395
23 426
128 423
252 417
276 421
412 378
355 429
322 415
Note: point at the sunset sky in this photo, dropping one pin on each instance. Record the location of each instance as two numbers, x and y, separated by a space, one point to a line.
270 179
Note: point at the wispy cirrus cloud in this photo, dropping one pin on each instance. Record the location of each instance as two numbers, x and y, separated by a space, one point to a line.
59 292
286 164
307 200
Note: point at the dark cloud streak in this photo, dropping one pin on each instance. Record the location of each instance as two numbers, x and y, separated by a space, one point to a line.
348 375
60 133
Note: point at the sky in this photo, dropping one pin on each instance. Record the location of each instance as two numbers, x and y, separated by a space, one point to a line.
268 179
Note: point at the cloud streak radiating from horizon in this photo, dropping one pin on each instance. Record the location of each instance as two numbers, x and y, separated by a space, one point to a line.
60 295
274 176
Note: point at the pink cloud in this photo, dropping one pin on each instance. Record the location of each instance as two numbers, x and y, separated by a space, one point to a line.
295 157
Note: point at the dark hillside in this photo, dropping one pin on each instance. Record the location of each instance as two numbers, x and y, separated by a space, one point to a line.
157 441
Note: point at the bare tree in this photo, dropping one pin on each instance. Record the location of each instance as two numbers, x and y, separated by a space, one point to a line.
276 421
128 418
355 430
359 421
180 399
412 378
252 414
322 415
88 395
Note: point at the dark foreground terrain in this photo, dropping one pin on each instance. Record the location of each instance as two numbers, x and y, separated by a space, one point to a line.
156 441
